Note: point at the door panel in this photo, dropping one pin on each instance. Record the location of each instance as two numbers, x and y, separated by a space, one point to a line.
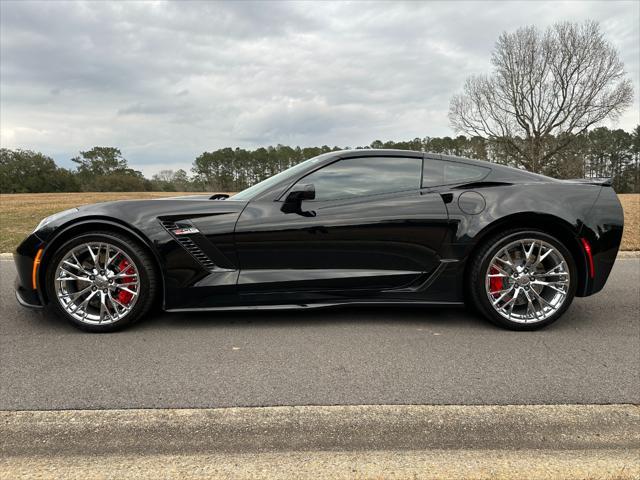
364 243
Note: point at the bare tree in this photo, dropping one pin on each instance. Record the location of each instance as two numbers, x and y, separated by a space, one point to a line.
164 176
544 86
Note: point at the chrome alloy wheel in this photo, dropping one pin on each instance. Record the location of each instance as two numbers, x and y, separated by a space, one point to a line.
527 281
97 283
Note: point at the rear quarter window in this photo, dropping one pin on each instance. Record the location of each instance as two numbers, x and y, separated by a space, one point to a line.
442 172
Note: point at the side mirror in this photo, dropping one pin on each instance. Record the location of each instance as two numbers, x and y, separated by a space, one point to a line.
298 193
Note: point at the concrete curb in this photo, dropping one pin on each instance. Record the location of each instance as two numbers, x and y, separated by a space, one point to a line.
629 254
319 428
326 442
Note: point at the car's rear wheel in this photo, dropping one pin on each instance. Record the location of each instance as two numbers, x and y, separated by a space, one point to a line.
101 281
523 279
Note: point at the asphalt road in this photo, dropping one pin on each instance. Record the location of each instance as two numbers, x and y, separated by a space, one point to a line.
326 357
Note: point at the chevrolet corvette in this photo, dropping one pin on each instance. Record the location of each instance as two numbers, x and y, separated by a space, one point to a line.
353 227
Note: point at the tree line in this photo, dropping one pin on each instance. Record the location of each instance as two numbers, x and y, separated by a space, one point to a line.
601 152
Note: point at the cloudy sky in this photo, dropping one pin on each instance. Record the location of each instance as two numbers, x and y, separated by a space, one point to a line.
166 81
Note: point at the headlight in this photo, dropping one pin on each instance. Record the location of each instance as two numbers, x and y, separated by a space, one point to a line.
53 217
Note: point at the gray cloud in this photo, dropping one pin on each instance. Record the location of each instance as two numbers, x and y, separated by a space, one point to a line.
166 81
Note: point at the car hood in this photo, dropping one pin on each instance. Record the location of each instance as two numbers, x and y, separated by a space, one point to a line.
143 215
163 206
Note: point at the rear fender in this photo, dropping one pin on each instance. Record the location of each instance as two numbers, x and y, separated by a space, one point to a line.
560 208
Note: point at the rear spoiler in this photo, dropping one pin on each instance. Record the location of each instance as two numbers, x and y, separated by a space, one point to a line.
605 182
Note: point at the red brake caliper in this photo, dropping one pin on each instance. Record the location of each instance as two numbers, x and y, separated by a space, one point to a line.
495 283
125 297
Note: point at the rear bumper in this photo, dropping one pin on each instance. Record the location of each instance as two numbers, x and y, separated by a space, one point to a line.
603 230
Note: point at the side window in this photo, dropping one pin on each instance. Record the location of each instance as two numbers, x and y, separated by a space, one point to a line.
442 172
355 177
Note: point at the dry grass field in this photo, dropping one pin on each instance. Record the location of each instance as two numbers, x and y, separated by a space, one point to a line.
631 205
20 213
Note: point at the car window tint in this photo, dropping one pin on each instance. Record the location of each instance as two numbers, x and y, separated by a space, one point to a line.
438 172
355 177
460 172
432 173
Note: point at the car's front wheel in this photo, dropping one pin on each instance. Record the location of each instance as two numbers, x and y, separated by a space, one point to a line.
523 279
101 281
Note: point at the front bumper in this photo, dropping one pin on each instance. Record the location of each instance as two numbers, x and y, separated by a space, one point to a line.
26 297
24 258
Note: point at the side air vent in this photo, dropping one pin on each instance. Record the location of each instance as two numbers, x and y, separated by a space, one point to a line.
188 244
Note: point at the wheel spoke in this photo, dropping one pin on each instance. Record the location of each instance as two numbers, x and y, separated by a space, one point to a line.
530 307
73 265
134 293
103 307
123 275
500 269
528 253
551 271
111 259
118 302
508 255
506 262
115 304
94 257
71 276
547 283
544 255
84 303
541 299
553 287
499 299
75 295
106 256
513 299
512 302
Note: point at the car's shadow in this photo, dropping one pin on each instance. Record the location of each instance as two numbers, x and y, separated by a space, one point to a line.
431 317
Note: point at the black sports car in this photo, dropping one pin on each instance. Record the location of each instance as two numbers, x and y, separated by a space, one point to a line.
347 227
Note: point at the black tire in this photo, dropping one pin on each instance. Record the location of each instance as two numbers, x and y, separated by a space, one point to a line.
146 270
479 267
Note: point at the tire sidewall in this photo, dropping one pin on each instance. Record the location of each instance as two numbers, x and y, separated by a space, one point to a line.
499 242
141 265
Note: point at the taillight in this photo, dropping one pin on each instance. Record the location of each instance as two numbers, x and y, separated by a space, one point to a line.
587 251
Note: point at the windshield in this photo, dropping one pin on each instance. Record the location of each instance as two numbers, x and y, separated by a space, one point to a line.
264 185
